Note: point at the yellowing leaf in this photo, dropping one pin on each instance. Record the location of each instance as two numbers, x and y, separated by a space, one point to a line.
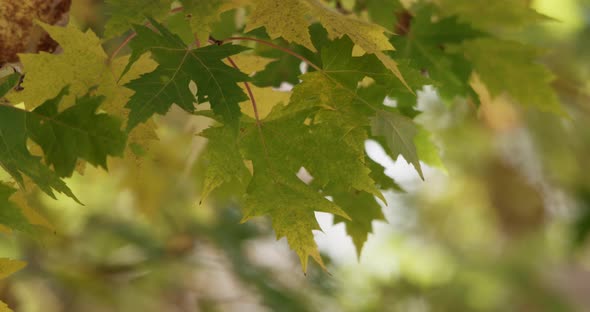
81 65
289 19
286 19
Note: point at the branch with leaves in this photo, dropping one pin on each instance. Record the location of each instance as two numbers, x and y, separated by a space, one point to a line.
355 62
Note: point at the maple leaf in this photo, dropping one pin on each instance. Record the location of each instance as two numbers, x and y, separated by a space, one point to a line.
336 137
83 64
168 84
275 190
508 66
76 132
399 133
16 159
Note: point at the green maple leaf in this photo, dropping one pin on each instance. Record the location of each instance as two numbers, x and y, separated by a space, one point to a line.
275 190
16 159
399 133
425 44
168 84
508 66
11 215
76 132
332 144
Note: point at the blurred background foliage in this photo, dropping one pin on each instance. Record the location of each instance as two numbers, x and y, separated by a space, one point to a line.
505 228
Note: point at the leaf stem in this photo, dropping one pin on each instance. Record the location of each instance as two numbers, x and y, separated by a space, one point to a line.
122 45
272 45
250 94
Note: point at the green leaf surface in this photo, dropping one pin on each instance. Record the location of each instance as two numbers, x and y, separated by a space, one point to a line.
77 132
223 160
275 189
17 160
363 209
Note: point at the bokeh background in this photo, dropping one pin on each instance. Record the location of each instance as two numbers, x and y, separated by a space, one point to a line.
504 228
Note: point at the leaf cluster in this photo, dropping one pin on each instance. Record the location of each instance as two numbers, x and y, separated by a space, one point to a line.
291 154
